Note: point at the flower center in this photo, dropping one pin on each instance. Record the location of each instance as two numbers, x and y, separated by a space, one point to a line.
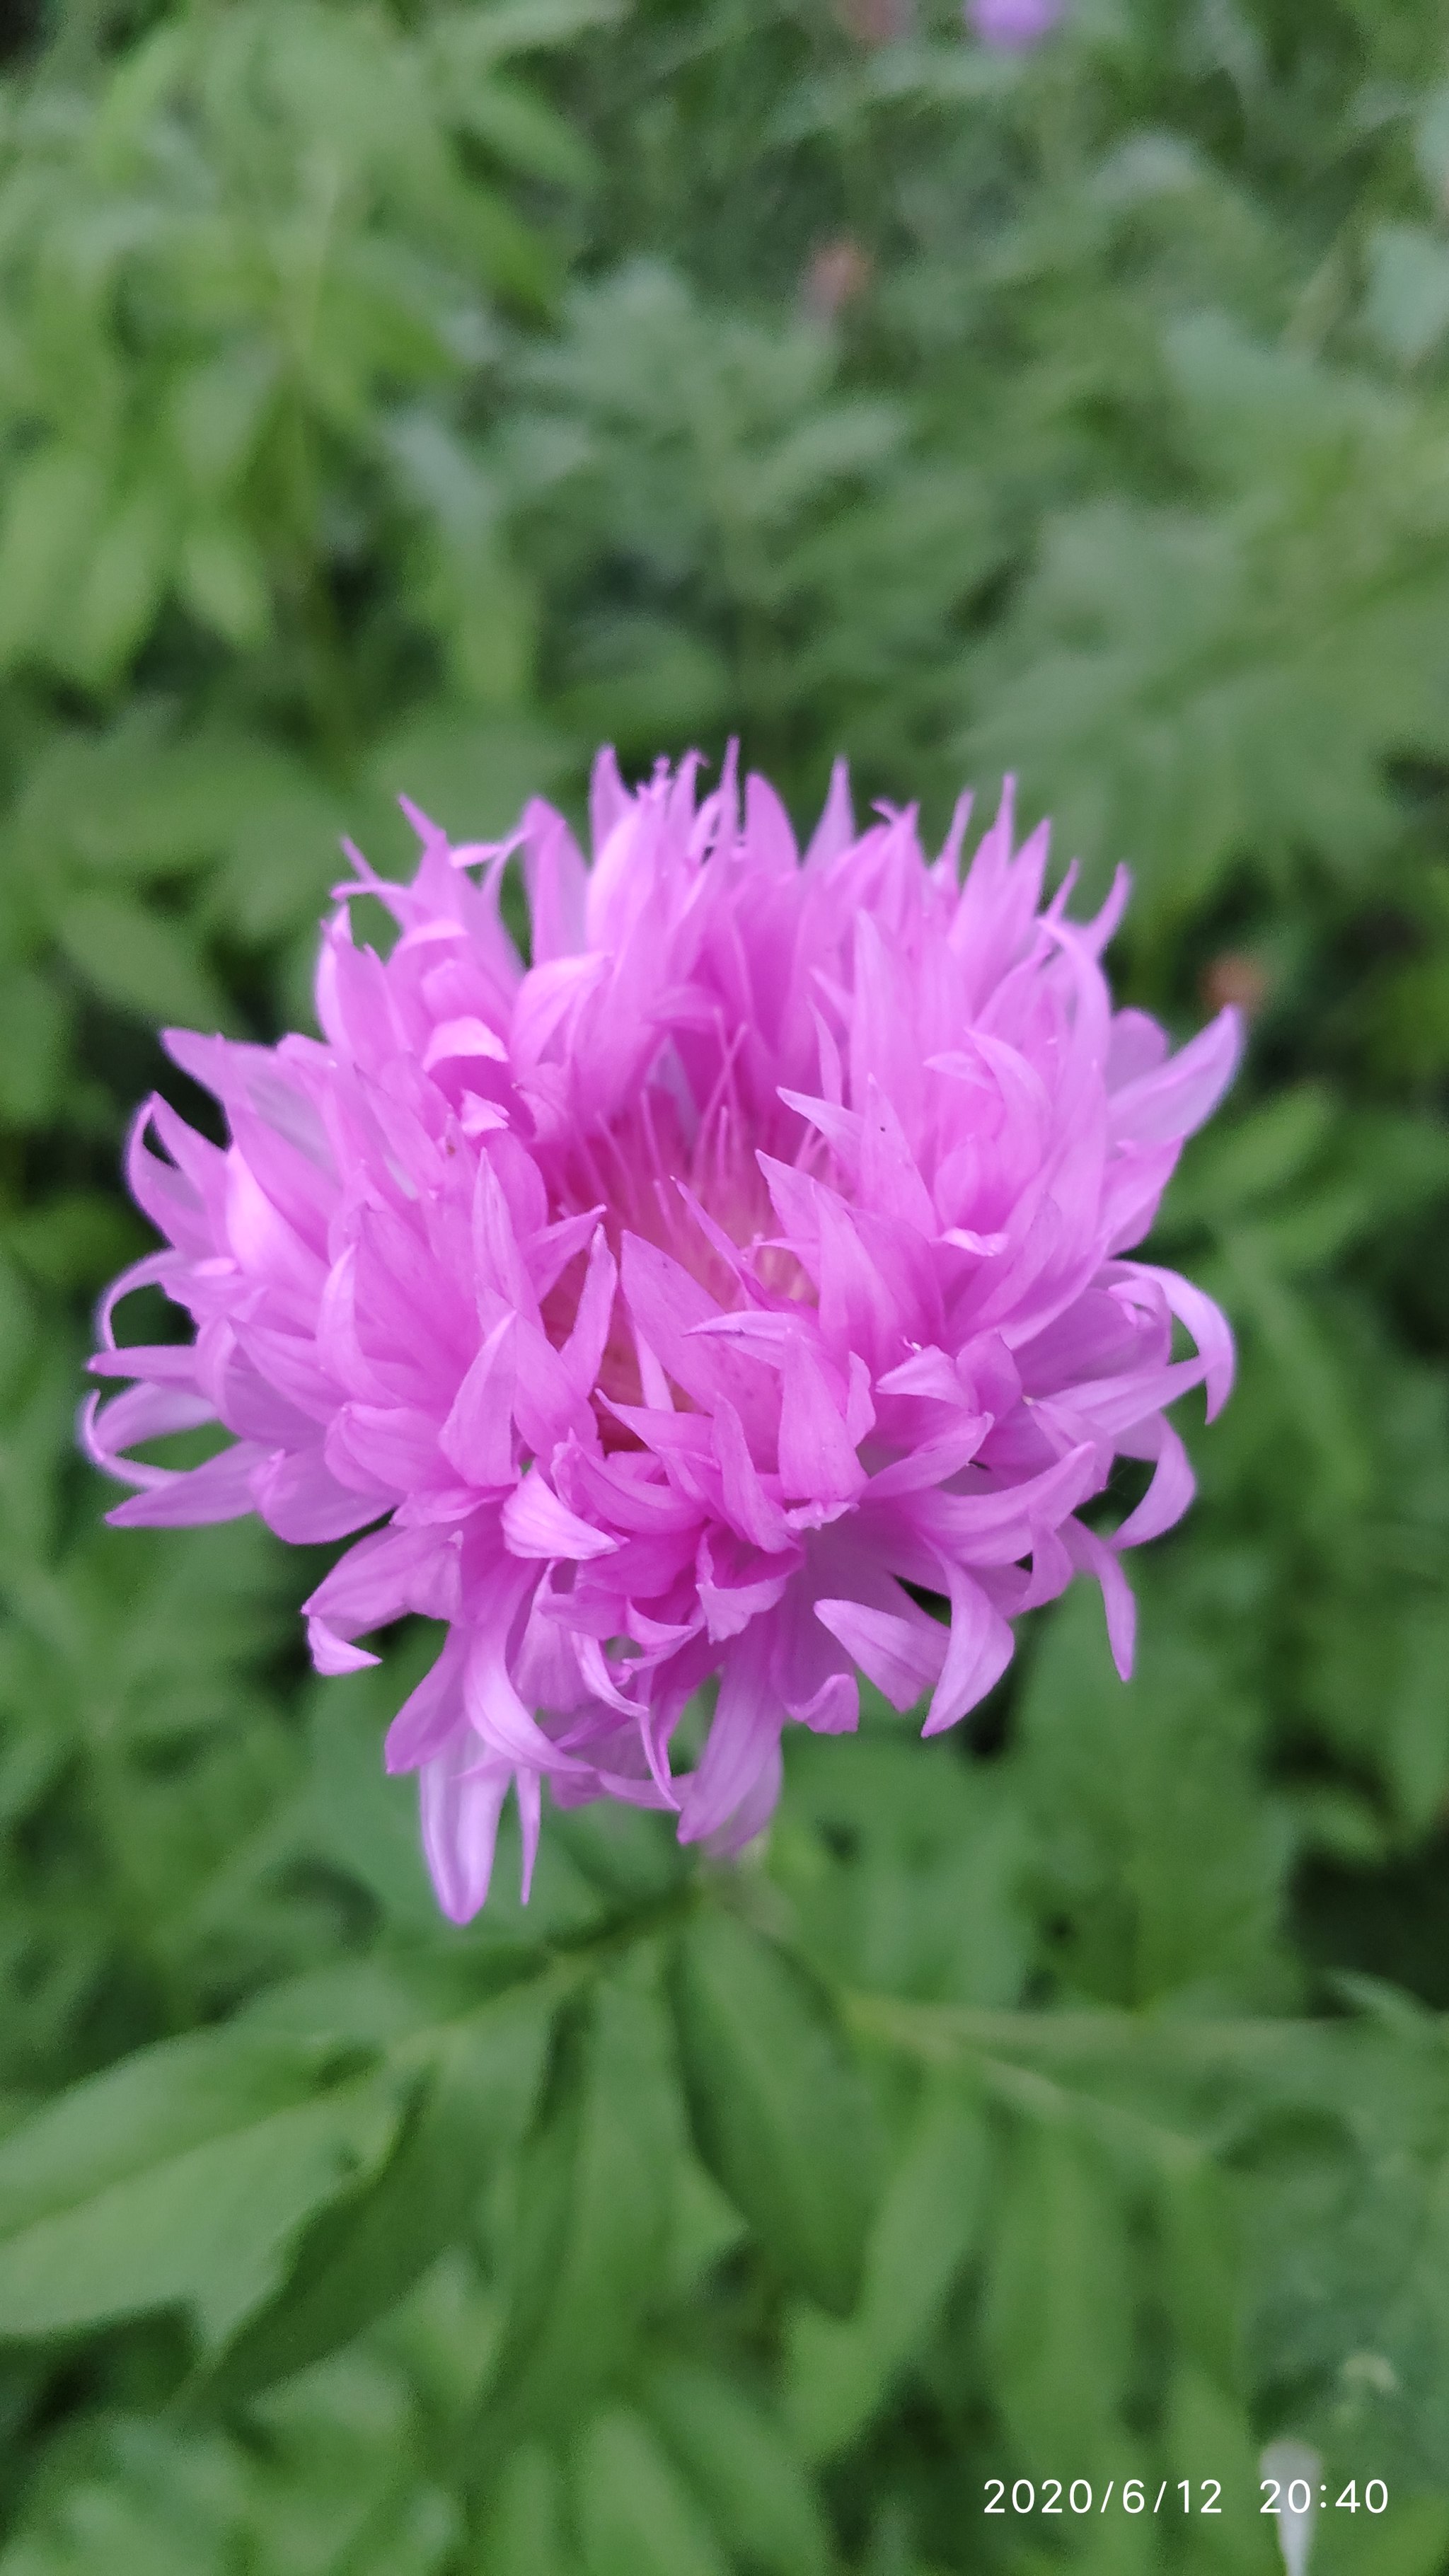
690 1184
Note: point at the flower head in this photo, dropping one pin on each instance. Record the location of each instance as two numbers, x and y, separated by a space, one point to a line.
684 1305
1013 26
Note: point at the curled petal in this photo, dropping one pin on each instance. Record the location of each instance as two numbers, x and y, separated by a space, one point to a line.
976 1656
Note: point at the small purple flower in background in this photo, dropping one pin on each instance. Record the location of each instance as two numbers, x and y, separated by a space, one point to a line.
840 273
674 1308
1013 26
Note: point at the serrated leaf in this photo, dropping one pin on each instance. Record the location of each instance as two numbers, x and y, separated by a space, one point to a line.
779 2112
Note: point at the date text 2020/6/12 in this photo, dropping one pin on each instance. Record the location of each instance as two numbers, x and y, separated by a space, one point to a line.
1058 2495
1181 2495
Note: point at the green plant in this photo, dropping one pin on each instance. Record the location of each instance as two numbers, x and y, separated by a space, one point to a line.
402 399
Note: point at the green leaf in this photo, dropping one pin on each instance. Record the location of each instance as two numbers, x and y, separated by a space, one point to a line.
216 411
469 589
133 802
740 2463
139 2502
779 2111
1202 2423
467 2105
1159 1858
591 2229
1254 1155
223 581
521 27
839 2373
356 1817
78 1239
523 131
126 571
904 1866
333 2478
162 2101
1057 2322
524 2524
179 2179
1407 306
51 507
636 2515
627 1853
639 676
33 1032
146 965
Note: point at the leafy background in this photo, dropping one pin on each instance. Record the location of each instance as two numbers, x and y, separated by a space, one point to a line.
405 398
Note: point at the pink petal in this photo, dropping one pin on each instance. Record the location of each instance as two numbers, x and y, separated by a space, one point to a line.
477 1437
536 1523
1161 1107
901 1657
817 1458
1094 1556
743 1742
455 1040
332 1654
460 1801
977 1654
1167 1497
1207 1324
753 1512
219 1491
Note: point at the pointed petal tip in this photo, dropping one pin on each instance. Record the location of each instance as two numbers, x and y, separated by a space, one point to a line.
333 1655
423 824
459 1909
528 1790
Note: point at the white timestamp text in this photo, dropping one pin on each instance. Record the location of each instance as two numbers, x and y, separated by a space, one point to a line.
1078 2495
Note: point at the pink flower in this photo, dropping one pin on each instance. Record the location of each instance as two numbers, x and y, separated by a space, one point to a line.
679 1308
1013 26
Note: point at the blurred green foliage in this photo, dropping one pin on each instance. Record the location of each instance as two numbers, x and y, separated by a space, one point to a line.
404 398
